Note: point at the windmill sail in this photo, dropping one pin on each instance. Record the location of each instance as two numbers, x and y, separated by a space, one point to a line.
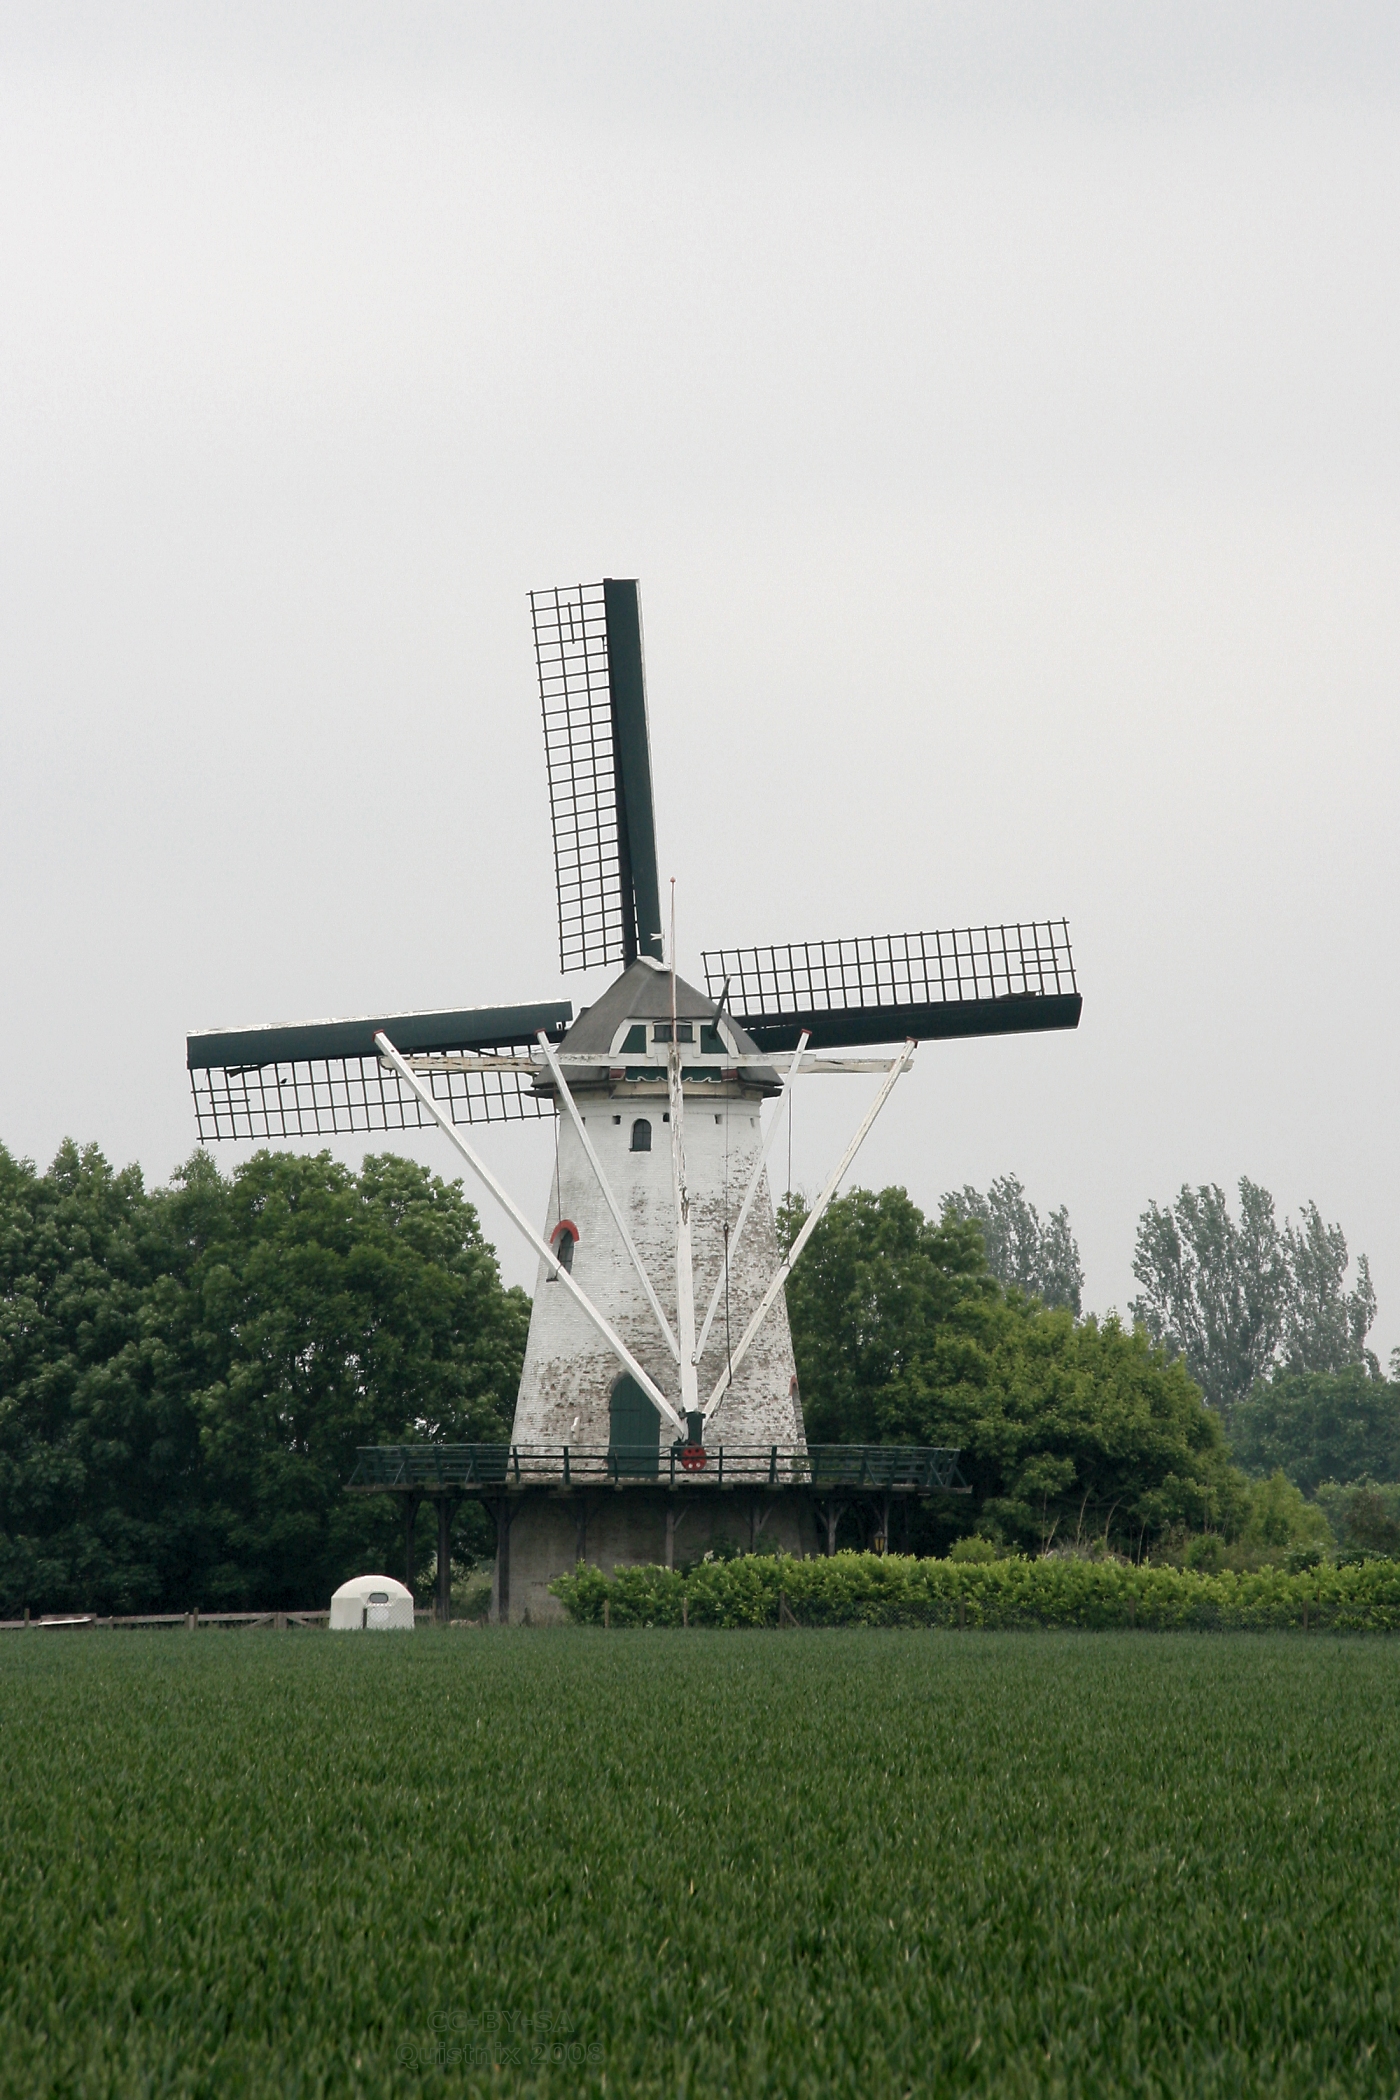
972 980
324 1078
588 649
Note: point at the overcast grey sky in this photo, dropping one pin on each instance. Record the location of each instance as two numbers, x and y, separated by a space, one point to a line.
997 403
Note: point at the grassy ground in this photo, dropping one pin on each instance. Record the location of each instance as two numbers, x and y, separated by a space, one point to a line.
699 1864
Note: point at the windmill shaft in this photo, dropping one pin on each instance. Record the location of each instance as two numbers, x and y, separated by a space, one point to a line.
641 889
483 1028
1022 1013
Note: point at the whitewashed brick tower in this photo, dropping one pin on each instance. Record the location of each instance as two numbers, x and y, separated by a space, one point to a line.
571 1377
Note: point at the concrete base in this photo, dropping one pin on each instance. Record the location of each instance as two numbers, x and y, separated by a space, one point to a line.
550 1532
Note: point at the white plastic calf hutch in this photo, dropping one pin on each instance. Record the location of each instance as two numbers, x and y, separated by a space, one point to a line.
370 1603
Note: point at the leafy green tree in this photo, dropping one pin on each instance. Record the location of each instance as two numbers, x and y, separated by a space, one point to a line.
1235 1297
1067 1430
1364 1515
1324 1325
1024 1255
336 1310
1280 1515
875 1280
96 1469
1213 1287
1316 1426
185 1375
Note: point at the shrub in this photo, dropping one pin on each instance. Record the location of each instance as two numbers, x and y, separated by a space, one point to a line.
974 1548
865 1589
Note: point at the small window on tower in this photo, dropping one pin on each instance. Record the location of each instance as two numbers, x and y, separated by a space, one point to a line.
564 1244
712 1043
635 1038
641 1135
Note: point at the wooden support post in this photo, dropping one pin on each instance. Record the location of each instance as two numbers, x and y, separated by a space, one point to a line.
444 1565
410 1525
500 1585
279 1622
685 1609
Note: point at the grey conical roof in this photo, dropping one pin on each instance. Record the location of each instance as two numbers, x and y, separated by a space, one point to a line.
643 993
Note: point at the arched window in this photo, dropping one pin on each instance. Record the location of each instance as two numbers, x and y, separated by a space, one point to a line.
634 1430
564 1239
641 1135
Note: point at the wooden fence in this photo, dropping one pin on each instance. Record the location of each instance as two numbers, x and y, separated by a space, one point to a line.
279 1621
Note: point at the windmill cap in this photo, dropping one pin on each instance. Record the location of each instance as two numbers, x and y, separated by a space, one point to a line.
643 993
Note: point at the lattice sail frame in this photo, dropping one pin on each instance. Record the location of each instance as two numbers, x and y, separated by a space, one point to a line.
571 652
1026 960
343 1096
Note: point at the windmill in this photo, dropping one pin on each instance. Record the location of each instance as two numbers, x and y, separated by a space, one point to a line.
659 1378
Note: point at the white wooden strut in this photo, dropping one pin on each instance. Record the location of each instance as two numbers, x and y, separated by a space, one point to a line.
608 1197
685 1273
521 1222
784 1106
785 1266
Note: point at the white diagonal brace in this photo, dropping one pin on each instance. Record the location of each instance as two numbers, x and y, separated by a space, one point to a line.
685 1272
517 1217
608 1197
784 1105
785 1266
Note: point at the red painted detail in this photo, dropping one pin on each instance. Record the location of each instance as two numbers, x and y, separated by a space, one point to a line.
565 1225
694 1459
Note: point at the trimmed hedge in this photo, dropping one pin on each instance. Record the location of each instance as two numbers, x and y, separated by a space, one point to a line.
862 1589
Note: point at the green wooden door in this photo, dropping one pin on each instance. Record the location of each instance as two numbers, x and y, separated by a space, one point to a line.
634 1430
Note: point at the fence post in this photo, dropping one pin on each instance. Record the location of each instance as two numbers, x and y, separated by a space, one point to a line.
607 1612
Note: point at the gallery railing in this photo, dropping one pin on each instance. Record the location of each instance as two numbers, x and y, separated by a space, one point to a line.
429 1469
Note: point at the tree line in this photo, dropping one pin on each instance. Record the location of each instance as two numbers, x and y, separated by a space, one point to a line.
186 1372
1241 1409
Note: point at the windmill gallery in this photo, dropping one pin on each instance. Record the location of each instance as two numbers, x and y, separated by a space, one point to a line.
659 1396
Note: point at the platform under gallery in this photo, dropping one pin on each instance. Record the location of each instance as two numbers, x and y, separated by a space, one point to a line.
555 1506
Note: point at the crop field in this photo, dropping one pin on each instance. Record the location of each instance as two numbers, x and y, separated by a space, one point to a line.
629 1862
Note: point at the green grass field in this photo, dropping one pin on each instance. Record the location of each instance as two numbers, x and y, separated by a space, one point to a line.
845 1863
